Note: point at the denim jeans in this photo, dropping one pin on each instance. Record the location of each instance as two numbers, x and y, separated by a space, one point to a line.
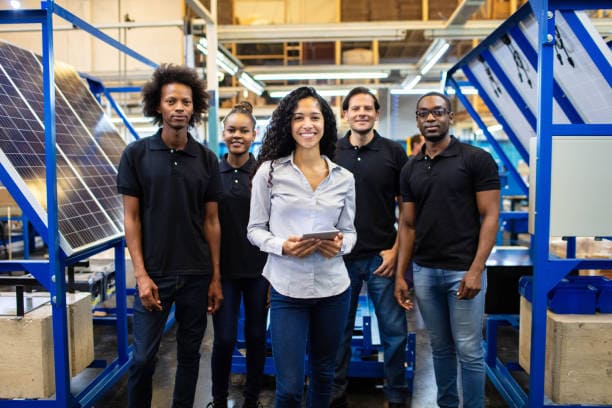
391 325
455 329
190 297
254 293
300 325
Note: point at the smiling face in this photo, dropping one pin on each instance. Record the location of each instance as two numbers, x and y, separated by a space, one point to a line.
307 124
176 105
238 133
361 114
434 128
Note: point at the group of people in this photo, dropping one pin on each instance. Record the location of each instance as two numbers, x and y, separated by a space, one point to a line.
204 234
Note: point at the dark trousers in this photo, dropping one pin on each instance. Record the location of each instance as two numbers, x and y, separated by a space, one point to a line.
189 294
254 293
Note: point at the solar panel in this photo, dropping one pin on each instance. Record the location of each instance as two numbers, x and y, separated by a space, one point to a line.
89 111
89 209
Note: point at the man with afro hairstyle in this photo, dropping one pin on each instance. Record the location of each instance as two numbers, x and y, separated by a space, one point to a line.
170 185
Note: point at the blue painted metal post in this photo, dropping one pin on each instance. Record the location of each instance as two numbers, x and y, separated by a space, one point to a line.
58 287
540 238
213 116
121 299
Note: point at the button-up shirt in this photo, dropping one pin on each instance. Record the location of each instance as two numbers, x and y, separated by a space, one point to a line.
291 207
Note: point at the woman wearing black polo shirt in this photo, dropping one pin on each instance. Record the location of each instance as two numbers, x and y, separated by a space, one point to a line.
241 265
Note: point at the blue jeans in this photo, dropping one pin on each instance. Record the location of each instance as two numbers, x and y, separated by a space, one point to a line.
300 325
190 297
391 325
254 291
455 329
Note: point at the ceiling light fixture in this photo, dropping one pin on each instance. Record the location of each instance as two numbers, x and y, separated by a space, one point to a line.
409 83
249 83
223 61
322 92
298 76
16 4
433 54
414 91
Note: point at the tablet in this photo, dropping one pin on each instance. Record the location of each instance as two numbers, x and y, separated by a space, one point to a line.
321 235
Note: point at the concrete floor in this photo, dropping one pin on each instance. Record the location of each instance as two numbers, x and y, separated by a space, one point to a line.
362 393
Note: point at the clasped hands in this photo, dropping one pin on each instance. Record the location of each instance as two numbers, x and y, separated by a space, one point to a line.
302 247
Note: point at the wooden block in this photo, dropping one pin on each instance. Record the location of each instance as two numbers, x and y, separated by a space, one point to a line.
26 366
578 362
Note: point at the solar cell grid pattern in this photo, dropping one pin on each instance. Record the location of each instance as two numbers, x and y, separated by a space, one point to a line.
89 111
82 215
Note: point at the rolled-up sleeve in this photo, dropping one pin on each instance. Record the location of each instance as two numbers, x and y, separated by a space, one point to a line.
346 221
258 230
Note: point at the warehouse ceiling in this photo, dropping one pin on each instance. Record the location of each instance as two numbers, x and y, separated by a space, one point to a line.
392 40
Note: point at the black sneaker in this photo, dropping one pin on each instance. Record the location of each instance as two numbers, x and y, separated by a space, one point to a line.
339 402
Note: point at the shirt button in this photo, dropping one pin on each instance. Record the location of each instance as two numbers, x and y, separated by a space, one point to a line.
359 159
171 150
235 171
236 181
175 163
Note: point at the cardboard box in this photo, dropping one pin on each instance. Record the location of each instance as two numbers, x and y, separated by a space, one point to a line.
578 362
26 366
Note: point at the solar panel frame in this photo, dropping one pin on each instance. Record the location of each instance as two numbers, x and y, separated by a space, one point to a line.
85 176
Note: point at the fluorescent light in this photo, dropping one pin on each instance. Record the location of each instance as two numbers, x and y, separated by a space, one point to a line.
435 58
322 92
410 84
16 4
466 90
297 76
223 62
413 91
250 84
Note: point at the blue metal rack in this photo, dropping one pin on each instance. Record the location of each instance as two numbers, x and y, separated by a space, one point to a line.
50 273
366 348
548 271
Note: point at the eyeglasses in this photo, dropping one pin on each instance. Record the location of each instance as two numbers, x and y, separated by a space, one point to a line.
437 112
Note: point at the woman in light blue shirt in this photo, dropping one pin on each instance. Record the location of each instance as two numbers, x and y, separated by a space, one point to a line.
298 190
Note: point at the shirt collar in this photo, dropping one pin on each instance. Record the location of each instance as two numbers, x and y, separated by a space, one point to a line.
451 150
289 160
374 144
225 167
156 143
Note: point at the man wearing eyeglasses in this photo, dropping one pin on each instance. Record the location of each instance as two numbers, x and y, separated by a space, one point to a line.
448 224
376 163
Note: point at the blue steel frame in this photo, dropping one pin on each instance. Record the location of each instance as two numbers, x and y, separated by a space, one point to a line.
97 88
547 269
50 273
365 348
490 138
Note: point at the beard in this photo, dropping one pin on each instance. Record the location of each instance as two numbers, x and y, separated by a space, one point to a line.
434 139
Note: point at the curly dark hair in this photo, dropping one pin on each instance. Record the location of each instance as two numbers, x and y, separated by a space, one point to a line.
167 74
278 141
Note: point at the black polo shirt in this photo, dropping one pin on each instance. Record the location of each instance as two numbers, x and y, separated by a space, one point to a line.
444 192
173 187
239 258
376 167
